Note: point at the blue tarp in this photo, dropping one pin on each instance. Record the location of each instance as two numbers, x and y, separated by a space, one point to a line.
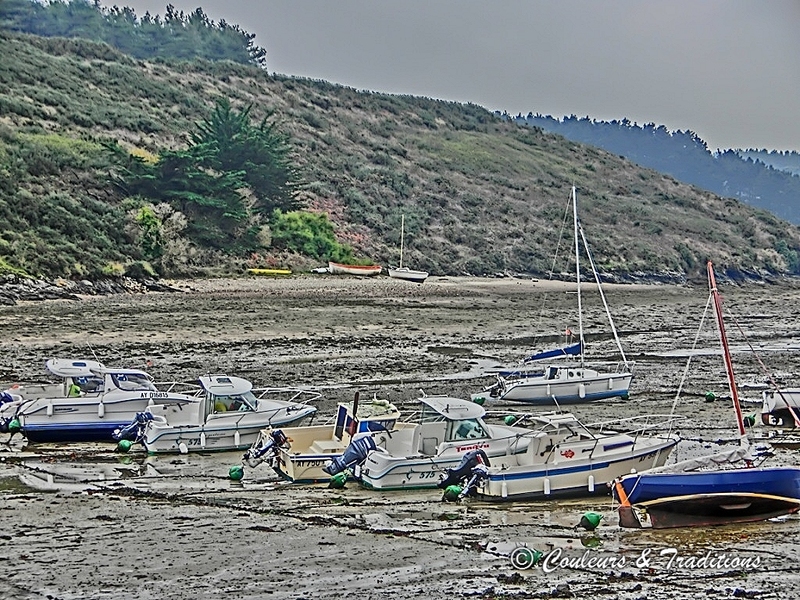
573 350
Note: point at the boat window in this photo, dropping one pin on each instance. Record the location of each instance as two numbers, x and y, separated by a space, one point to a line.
236 403
551 372
133 382
428 415
468 429
90 384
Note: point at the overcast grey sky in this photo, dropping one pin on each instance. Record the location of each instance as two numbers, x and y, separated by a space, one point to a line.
727 69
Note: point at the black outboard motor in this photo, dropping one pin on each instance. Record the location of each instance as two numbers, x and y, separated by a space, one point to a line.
267 448
464 468
354 454
135 429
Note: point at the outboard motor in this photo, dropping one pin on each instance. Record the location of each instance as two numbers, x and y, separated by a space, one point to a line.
265 448
355 454
135 430
464 468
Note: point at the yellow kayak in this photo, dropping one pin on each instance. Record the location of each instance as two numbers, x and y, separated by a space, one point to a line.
269 271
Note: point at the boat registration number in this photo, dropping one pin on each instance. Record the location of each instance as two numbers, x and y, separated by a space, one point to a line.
154 395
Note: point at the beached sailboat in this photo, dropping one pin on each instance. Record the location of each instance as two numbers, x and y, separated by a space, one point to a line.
686 496
402 272
566 383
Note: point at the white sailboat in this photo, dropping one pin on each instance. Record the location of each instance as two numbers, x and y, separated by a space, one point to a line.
567 383
402 272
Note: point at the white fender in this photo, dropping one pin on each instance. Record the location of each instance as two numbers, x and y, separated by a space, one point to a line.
611 383
101 410
202 439
582 390
591 483
50 408
546 486
237 438
504 489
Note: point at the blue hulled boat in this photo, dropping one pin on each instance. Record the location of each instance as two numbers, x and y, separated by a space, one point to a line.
715 496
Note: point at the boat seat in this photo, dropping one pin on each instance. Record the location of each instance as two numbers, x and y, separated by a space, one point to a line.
327 447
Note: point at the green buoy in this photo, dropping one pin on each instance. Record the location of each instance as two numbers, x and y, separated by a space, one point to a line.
710 396
236 472
14 426
749 420
590 521
452 492
338 481
510 419
479 400
124 445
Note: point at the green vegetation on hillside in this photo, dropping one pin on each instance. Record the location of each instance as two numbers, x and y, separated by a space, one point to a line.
479 194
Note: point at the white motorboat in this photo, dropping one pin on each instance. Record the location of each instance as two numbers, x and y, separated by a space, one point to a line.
781 407
418 454
300 454
565 458
88 405
226 414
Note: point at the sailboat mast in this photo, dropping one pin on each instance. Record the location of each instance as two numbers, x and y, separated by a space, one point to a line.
578 269
726 352
402 235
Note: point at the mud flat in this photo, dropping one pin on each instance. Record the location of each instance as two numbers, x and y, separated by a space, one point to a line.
81 521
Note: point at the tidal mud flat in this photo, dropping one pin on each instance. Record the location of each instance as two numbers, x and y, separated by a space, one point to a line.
82 521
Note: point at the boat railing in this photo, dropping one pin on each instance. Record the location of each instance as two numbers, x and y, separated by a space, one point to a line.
638 425
179 387
295 394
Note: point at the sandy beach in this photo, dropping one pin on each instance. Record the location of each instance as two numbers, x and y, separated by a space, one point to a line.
82 521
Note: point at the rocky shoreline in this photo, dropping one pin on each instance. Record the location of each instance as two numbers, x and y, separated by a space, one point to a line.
14 288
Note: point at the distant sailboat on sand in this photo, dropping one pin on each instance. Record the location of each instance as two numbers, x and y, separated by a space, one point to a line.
402 272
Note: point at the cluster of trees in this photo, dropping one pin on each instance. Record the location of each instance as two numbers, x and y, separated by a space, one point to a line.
232 190
751 178
178 35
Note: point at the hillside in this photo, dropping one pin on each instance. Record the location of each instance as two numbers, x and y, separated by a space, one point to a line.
480 194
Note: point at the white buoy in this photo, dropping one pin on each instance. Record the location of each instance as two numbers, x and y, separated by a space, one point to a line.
182 448
101 410
50 408
202 439
237 438
591 483
546 486
504 489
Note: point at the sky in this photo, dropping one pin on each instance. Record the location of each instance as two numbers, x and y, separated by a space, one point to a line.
729 70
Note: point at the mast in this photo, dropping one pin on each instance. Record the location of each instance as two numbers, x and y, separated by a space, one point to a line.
402 234
578 269
712 284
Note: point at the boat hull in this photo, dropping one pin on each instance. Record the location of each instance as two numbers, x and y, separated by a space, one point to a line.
540 391
213 437
80 420
361 270
572 478
408 274
710 497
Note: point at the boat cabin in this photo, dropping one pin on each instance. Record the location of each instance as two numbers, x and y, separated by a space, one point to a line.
225 393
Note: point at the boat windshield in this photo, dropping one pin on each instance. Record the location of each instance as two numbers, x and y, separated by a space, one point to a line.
133 382
235 402
467 429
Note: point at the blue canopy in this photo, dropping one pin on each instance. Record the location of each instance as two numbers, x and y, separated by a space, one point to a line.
573 350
